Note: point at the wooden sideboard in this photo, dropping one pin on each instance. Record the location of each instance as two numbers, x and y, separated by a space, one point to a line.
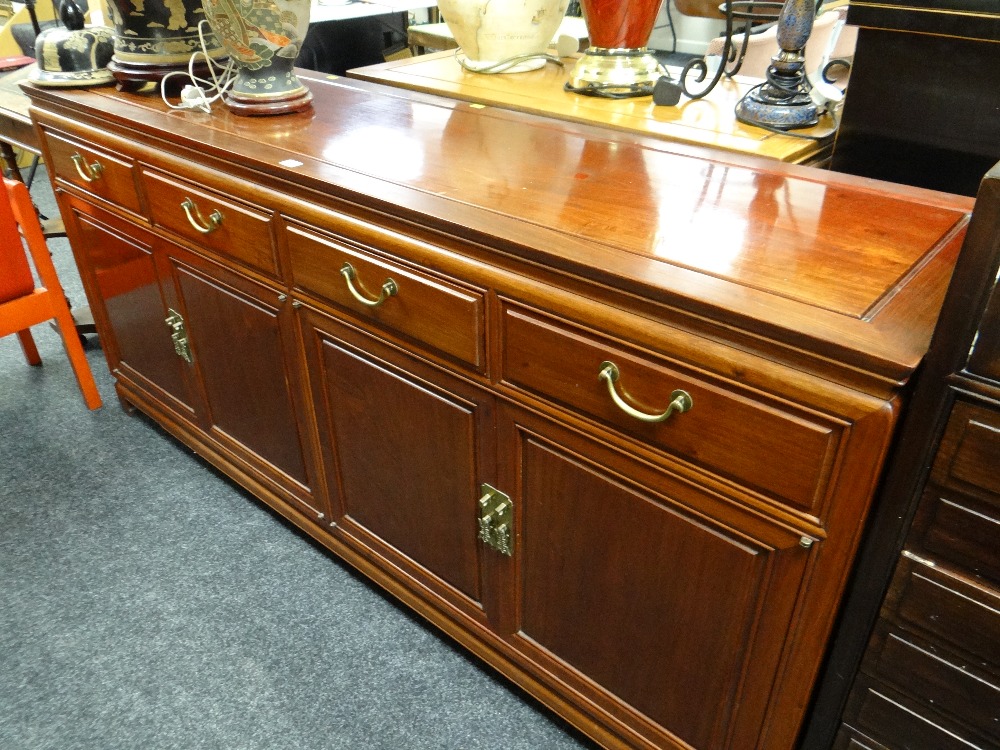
607 412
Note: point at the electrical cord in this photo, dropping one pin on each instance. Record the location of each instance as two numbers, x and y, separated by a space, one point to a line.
607 91
505 65
201 93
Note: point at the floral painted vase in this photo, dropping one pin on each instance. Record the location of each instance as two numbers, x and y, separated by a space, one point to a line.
262 38
157 37
503 35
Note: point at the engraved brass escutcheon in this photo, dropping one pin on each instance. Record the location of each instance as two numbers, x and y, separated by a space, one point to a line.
496 520
178 334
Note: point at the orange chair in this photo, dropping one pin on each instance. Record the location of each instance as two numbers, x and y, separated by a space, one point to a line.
22 304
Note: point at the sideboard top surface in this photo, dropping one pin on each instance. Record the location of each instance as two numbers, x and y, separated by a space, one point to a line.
803 255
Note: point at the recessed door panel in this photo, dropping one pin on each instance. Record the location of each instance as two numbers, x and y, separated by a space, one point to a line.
121 273
406 447
649 591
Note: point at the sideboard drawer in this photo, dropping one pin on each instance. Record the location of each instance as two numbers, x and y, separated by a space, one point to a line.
213 222
952 529
728 429
95 171
850 739
443 316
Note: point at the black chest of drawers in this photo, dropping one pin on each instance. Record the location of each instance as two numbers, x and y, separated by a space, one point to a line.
926 676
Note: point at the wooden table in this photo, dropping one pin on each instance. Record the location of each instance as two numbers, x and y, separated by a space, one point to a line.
704 122
15 123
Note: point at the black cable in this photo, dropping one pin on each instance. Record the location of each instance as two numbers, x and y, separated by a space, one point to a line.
673 31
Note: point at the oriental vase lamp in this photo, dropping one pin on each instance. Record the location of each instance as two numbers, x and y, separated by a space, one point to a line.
262 38
154 38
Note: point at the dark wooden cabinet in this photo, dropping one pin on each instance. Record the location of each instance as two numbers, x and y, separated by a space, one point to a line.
927 675
615 429
921 106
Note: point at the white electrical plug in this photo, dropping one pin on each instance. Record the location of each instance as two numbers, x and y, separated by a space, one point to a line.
193 97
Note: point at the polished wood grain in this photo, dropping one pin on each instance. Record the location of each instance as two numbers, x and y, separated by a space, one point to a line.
112 177
240 357
855 267
116 262
710 121
682 640
927 576
561 363
243 232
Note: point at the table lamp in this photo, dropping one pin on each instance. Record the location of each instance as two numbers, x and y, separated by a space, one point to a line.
783 101
618 63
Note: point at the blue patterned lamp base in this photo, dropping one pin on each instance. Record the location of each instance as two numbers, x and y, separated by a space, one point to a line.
776 108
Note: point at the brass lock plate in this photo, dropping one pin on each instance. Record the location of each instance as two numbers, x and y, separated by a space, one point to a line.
496 520
178 334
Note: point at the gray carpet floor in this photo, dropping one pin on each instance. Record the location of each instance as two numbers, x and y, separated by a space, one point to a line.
146 602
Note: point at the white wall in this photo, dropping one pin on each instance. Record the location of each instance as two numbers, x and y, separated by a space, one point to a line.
693 33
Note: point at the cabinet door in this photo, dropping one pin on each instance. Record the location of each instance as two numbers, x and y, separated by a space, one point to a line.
244 360
409 446
635 585
117 266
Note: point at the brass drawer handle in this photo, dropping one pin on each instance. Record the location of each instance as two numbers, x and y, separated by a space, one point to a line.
389 288
194 217
87 172
680 401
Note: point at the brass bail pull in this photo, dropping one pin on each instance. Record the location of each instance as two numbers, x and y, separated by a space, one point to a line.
680 401
87 172
196 220
389 287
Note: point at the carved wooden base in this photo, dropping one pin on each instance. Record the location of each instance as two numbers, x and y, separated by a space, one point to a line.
256 106
131 77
